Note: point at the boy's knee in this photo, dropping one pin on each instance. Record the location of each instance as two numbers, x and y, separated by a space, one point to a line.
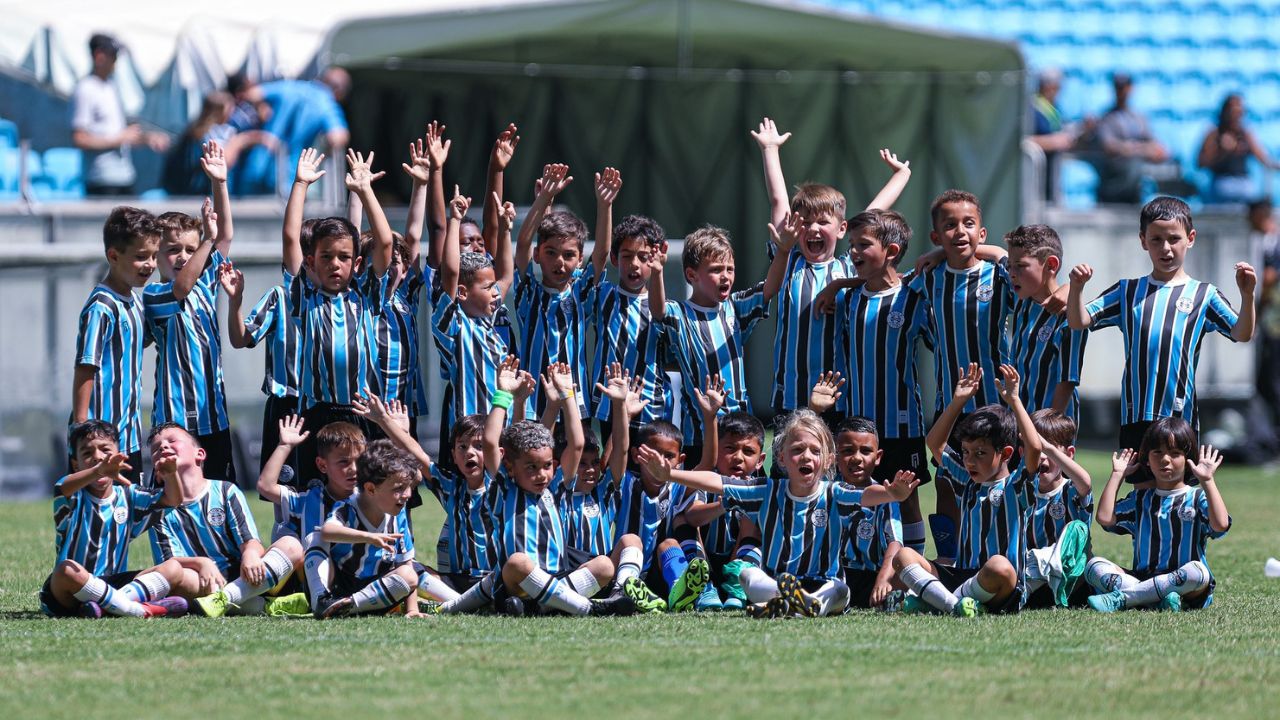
519 563
999 568
629 540
906 557
290 547
668 544
408 574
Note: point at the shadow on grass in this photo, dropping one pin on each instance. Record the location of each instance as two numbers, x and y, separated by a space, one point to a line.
22 615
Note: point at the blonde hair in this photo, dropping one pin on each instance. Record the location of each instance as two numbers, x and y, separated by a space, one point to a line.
813 200
805 420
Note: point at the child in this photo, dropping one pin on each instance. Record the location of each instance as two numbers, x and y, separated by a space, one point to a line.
333 297
1045 351
94 522
992 500
804 519
209 529
108 377
1163 317
370 542
1058 521
1170 524
875 534
553 311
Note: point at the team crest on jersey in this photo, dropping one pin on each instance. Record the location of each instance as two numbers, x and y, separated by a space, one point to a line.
1045 333
996 497
865 530
1185 305
663 505
984 293
896 319
1057 510
819 518
120 514
1187 512
590 508
547 500
216 516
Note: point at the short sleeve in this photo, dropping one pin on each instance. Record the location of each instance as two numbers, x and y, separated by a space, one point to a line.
1219 314
1126 514
97 326
891 531
584 283
239 517
1105 310
143 505
848 499
747 499
1202 516
261 320
209 278
159 302
82 109
955 472
750 306
1071 354
445 326
373 289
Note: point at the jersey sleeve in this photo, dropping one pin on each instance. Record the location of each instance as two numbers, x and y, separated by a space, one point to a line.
848 499
97 327
208 279
159 302
1202 516
891 524
1023 483
1071 354
1126 513
262 318
404 546
239 517
746 499
955 472
750 306
374 289
1219 314
1105 310
144 507
445 327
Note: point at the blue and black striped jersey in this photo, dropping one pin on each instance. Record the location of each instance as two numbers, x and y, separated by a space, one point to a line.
871 532
395 345
470 352
553 329
365 561
992 514
721 534
467 542
299 514
336 336
589 516
804 343
626 334
1169 528
1045 352
646 515
270 319
111 338
1052 511
526 523
96 532
215 526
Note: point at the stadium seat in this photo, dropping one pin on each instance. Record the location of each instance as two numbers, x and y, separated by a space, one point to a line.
1079 184
11 169
8 133
62 176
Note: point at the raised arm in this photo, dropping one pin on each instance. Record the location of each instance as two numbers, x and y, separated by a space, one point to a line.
419 171
232 281
1204 470
785 237
1123 463
1073 470
437 149
1032 446
291 436
1247 281
657 288
308 172
966 388
710 401
451 258
393 417
504 148
660 468
503 266
499 404
561 376
360 178
608 183
897 490
1078 317
112 467
825 393
555 178
888 194
775 184
214 163
185 280
617 389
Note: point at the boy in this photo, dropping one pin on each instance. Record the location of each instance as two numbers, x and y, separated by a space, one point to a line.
1045 351
209 529
94 522
1170 524
370 542
182 315
1163 317
108 377
875 534
553 311
992 500
333 297
1058 521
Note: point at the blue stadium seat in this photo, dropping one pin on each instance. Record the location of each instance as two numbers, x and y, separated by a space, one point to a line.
63 174
8 133
10 169
1079 184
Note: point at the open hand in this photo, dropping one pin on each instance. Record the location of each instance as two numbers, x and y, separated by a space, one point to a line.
826 392
214 162
767 136
1210 461
608 183
291 432
309 166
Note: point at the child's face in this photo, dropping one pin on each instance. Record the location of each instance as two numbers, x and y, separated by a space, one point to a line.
391 496
668 448
1167 242
176 248
558 257
982 460
959 232
857 455
334 261
532 470
739 456
870 258
589 471
338 466
1049 470
172 442
804 458
821 233
1168 465
135 263
1030 275
89 453
468 456
470 239
482 296
632 262
713 279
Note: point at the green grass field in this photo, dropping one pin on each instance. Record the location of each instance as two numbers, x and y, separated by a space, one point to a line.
1221 662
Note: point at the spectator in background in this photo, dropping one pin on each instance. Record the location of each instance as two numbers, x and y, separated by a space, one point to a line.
99 126
183 174
1048 129
1129 150
1264 239
299 111
1225 153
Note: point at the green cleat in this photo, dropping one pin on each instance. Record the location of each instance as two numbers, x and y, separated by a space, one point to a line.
802 603
966 608
646 600
689 586
429 607
295 605
215 605
913 605
735 598
1171 603
1107 602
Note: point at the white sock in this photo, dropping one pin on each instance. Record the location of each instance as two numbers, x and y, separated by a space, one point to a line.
277 567
382 593
117 603
834 596
972 589
758 585
1105 576
554 594
929 588
145 588
584 582
913 536
316 566
476 597
629 561
1190 578
432 585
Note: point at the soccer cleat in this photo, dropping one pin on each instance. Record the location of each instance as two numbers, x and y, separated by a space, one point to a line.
1171 603
617 604
913 605
802 603
689 585
1107 602
215 605
709 600
510 606
329 607
735 598
91 610
966 608
892 602
645 600
733 603
172 606
294 605
777 607
429 607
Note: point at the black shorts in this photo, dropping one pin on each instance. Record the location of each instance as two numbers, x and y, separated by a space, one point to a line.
346 585
952 578
861 583
1042 597
904 454
50 606
460 582
571 559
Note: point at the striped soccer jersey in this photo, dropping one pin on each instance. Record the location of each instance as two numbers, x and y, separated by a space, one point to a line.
467 542
96 532
336 336
589 516
216 526
968 309
625 334
1163 326
365 561
1052 511
1169 528
876 352
992 514
871 531
395 345
721 534
802 536
189 388
111 338
553 329
804 344
302 513
647 516
470 353
270 318
1045 352
525 523
711 341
